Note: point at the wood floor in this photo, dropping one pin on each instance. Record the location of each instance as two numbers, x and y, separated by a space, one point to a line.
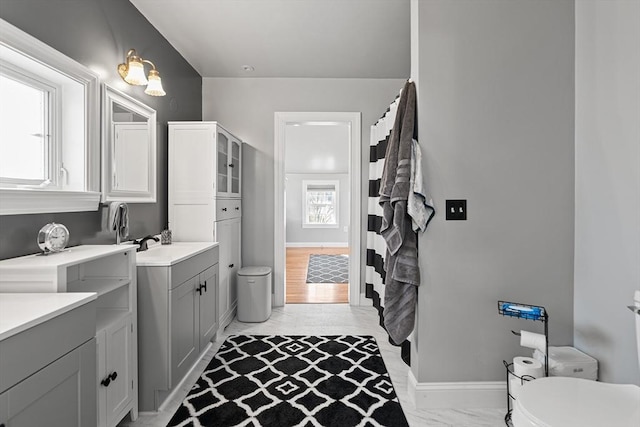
299 291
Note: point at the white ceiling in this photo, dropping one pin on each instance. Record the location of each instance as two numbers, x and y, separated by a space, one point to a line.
287 38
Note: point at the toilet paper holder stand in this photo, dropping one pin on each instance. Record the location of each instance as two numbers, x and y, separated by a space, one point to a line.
528 312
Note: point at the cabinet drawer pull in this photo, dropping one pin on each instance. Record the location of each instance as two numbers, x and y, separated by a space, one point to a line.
224 209
105 382
230 265
199 289
237 208
205 286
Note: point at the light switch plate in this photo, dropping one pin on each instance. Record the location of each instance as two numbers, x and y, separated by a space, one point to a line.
456 210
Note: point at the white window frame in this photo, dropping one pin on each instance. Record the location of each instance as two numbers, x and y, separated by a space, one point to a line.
84 194
37 82
324 182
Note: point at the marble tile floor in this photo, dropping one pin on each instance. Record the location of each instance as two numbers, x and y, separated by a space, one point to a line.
331 319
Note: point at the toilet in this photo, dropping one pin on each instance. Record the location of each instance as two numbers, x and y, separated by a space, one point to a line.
565 402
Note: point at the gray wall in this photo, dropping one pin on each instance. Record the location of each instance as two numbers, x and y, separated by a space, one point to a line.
295 232
246 106
98 33
607 223
495 102
310 148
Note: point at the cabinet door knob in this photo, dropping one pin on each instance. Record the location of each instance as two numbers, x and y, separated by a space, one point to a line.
224 209
230 265
232 165
205 286
237 208
105 382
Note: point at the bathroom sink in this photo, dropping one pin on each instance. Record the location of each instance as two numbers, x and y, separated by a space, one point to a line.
165 255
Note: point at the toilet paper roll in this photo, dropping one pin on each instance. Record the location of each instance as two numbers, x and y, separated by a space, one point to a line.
527 366
533 340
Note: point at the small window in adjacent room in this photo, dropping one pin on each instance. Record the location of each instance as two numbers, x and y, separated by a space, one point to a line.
320 204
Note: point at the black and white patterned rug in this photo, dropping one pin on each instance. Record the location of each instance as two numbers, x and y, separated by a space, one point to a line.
328 269
282 381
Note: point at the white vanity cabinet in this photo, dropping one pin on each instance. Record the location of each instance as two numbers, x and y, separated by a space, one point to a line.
228 233
178 314
205 197
47 360
115 374
109 271
194 320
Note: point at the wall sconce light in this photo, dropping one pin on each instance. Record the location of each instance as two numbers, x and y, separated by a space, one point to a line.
132 72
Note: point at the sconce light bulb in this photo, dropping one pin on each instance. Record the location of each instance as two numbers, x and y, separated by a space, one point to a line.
135 73
154 88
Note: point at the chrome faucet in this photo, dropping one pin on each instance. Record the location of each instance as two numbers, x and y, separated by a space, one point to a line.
143 242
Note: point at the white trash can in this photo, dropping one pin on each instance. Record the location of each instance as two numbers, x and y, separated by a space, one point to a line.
254 294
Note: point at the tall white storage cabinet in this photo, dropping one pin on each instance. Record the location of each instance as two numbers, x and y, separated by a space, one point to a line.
205 198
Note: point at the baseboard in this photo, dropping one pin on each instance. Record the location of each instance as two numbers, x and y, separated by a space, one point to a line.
363 300
167 398
228 318
456 395
317 244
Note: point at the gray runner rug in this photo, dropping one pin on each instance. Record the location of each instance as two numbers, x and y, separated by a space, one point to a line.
328 269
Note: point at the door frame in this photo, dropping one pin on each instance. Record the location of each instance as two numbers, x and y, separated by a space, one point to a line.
282 119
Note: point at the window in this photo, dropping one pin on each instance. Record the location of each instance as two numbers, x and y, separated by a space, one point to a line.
49 128
27 149
320 204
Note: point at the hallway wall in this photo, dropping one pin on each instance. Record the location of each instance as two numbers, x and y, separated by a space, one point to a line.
495 100
246 106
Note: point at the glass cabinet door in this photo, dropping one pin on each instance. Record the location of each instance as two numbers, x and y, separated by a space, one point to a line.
223 161
235 167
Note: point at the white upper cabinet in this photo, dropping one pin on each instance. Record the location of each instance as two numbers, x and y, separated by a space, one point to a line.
228 170
205 162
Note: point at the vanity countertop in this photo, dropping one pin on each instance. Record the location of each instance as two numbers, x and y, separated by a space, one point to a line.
19 312
70 256
166 255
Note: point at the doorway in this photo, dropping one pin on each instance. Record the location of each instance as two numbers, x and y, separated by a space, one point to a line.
317 207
